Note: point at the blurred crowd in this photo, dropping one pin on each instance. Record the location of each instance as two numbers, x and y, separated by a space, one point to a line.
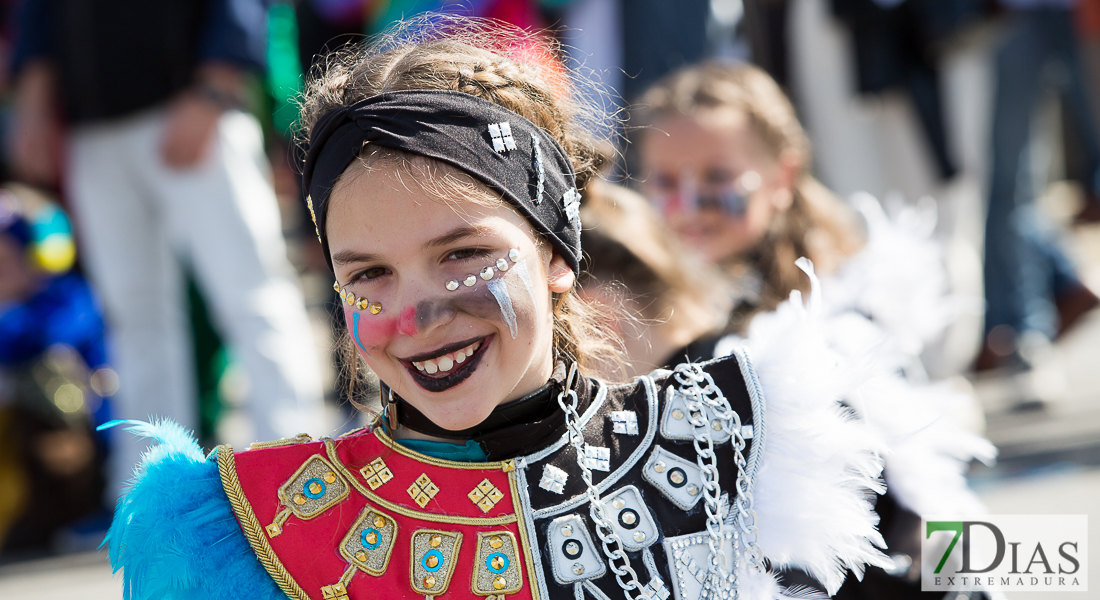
154 242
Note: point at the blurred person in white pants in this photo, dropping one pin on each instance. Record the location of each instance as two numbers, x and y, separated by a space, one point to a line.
162 172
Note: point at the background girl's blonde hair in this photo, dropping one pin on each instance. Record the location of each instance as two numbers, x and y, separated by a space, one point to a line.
817 225
518 70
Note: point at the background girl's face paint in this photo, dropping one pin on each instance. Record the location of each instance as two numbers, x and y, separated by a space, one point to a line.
395 244
704 155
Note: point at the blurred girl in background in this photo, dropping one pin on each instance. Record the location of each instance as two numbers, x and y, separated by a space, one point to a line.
726 163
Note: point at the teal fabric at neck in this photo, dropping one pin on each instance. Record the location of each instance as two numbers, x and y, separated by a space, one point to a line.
471 452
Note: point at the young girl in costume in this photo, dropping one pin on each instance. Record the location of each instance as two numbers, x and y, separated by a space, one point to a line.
444 172
726 162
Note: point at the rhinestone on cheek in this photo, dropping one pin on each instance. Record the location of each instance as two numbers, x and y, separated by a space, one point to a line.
487 273
452 285
469 281
375 308
502 264
513 255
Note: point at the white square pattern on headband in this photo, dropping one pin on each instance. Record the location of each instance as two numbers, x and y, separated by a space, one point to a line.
502 136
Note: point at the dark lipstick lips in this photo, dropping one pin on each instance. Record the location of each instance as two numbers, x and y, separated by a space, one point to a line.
439 384
441 351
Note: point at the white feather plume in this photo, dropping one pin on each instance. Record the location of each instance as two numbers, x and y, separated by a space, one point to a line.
820 466
899 279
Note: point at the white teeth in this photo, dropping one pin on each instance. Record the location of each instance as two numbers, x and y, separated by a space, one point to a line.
447 362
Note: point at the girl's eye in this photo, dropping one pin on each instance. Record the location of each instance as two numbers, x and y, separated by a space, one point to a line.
718 177
467 253
373 273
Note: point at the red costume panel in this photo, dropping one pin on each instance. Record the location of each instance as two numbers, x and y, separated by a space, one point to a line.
363 517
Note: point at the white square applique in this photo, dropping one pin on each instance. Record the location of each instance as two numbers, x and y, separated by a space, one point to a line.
624 422
502 136
571 202
655 590
597 458
553 479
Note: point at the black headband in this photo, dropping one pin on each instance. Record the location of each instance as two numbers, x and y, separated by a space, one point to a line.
498 147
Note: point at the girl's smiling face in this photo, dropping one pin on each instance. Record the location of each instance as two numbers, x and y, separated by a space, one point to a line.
452 354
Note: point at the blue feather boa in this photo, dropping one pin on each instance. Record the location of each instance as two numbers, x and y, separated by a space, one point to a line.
174 535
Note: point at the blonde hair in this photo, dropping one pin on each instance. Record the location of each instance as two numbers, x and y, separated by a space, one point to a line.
518 70
817 225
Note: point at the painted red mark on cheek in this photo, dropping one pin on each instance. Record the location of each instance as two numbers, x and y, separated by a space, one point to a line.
406 321
367 330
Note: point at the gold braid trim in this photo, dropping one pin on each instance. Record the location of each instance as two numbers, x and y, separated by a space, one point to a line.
250 525
524 542
431 460
408 512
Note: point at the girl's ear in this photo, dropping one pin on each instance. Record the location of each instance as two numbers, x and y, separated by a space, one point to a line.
560 277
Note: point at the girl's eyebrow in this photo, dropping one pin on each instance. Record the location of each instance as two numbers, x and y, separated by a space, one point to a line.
353 256
350 256
457 234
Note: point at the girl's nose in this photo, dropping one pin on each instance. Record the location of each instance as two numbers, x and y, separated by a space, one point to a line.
425 316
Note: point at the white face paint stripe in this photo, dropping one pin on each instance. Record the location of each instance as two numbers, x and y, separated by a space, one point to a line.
500 292
525 275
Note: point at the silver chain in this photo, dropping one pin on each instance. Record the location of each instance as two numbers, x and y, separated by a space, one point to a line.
612 544
704 398
689 376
